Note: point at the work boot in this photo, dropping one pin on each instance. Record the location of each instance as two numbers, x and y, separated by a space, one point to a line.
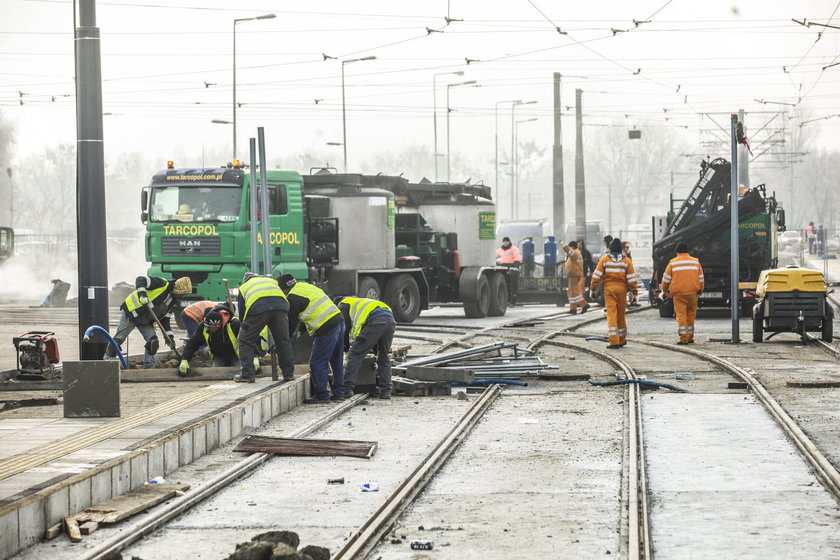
613 346
288 377
338 397
385 396
243 379
316 401
584 310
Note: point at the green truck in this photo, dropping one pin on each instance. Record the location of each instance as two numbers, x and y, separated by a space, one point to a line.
702 220
371 235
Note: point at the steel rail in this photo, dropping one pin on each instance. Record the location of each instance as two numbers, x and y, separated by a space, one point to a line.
110 547
826 471
638 507
371 532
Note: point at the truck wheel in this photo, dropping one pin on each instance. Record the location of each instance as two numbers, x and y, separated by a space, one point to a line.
403 297
758 323
369 288
498 295
479 307
828 325
666 309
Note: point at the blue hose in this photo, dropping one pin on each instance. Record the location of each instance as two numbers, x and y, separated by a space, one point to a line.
110 338
599 338
500 382
639 381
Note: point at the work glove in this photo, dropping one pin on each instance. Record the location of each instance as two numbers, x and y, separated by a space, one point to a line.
184 367
295 335
592 294
170 339
142 298
256 363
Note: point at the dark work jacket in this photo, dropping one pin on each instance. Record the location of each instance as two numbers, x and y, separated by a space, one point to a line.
162 310
588 262
297 305
220 343
262 305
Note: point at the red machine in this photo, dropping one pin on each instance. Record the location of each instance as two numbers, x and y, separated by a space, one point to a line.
37 354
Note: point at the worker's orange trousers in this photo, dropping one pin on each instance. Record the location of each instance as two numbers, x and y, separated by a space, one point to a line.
685 306
615 300
576 299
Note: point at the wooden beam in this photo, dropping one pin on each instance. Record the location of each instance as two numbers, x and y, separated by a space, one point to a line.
71 527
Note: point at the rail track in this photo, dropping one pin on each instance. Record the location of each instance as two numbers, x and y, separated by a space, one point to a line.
543 331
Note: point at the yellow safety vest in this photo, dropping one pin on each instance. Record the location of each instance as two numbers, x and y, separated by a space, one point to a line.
230 334
320 308
360 309
132 302
256 288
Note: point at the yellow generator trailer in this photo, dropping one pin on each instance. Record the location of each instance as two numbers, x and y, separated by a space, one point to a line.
792 299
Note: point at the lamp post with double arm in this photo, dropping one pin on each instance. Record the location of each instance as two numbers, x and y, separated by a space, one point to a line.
344 106
240 20
435 155
449 110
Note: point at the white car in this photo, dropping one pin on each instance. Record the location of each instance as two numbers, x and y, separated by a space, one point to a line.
790 239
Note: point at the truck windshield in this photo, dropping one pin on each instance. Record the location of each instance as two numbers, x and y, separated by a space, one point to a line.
195 204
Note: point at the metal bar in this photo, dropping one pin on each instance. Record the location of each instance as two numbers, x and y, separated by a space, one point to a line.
440 358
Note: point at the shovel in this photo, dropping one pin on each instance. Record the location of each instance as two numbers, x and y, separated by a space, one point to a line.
169 341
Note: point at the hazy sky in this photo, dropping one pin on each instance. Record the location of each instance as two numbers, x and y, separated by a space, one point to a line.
166 69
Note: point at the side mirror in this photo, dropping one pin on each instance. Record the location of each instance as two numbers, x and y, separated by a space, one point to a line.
144 201
780 220
144 217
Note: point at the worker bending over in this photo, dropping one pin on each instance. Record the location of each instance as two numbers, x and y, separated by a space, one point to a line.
508 255
193 314
311 306
684 277
162 296
575 278
370 324
263 304
218 331
618 276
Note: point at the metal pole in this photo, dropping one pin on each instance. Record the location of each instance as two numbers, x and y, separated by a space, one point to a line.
91 217
434 109
343 117
512 156
448 110
265 215
233 157
558 188
733 232
580 183
252 194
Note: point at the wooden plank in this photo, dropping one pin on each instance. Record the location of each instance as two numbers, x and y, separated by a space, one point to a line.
54 531
171 374
411 387
430 373
88 527
117 509
71 526
308 447
813 384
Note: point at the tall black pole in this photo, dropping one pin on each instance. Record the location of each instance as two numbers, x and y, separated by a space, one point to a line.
90 185
559 201
580 184
734 250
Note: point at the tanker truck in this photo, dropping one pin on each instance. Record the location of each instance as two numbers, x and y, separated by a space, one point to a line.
376 236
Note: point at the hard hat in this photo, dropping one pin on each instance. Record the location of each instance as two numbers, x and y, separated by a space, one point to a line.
183 286
247 276
184 209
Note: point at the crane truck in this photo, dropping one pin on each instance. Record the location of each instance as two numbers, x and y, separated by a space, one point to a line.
703 222
375 236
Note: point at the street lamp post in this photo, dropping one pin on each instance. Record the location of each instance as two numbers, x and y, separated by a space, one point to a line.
434 113
496 122
343 105
240 20
513 150
448 110
515 168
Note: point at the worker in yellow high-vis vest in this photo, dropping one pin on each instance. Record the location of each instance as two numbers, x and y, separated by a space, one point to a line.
263 304
370 324
312 308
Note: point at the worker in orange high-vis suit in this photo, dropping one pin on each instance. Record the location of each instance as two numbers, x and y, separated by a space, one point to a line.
684 278
575 278
193 315
617 274
508 255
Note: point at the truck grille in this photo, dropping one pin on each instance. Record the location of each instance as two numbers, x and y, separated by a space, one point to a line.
190 246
